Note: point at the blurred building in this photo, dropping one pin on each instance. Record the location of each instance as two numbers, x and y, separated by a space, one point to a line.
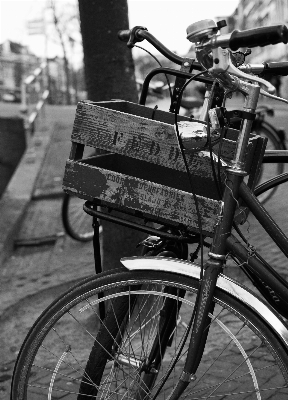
255 13
58 83
56 80
16 62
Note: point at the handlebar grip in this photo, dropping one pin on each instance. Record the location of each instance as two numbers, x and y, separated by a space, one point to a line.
124 35
276 68
258 37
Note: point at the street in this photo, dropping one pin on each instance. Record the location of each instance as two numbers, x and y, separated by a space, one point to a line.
33 276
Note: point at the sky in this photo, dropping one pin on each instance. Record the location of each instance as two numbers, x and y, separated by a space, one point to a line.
167 20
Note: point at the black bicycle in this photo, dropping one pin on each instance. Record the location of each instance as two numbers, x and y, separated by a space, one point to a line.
162 326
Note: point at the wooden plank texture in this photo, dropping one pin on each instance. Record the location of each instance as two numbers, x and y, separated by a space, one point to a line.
140 137
127 192
146 172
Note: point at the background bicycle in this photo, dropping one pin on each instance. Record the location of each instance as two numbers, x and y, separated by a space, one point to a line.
78 224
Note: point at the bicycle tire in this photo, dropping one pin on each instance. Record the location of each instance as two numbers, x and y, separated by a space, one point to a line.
268 171
77 223
243 356
166 321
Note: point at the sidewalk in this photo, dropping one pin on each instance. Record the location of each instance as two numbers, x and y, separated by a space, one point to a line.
17 196
31 277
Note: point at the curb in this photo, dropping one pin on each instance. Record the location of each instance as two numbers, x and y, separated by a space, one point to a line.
18 193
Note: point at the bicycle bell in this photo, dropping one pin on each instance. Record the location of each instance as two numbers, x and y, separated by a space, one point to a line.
199 30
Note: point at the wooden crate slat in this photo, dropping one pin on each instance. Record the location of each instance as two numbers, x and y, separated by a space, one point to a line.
140 138
150 198
146 173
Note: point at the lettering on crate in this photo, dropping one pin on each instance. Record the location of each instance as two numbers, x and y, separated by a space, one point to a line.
149 200
174 153
154 148
136 143
117 137
160 191
115 178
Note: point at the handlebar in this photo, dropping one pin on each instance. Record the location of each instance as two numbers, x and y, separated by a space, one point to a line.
124 35
137 34
266 68
261 37
276 68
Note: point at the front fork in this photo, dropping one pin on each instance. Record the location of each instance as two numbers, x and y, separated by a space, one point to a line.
204 304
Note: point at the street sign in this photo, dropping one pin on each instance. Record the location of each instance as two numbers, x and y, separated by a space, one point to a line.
35 27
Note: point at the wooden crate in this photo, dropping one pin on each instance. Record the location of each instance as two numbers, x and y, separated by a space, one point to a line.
146 174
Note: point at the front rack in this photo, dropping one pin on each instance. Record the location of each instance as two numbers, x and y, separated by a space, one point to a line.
90 208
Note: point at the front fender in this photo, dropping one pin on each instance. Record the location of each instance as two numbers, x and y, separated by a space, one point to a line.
226 284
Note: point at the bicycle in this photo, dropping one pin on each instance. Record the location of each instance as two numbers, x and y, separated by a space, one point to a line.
160 325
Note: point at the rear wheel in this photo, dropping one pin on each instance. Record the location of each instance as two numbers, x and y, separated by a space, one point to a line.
242 356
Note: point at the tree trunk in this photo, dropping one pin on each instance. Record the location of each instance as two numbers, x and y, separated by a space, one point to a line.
109 74
109 67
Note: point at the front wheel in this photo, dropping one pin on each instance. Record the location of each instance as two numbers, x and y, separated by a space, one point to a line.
242 356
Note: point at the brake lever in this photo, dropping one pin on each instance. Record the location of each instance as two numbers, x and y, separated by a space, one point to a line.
273 97
222 63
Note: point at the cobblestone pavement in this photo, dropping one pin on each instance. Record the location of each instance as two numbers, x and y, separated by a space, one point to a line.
34 276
